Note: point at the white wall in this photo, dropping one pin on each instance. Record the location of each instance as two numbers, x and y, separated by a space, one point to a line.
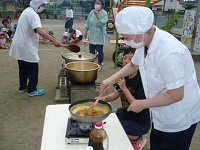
169 4
179 7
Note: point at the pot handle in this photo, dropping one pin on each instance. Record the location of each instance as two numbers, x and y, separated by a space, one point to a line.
120 108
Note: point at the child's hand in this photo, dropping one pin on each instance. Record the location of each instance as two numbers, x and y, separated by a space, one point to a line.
122 84
9 26
68 42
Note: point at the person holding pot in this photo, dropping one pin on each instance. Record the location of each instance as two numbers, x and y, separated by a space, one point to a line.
95 30
168 76
134 124
25 44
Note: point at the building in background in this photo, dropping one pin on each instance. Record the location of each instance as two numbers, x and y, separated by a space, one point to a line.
166 5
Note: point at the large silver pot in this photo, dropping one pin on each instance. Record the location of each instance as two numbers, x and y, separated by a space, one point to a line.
82 72
80 56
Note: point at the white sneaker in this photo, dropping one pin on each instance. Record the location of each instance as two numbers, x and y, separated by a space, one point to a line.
100 67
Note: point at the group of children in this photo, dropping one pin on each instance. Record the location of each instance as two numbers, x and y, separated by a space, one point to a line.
4 39
74 36
7 31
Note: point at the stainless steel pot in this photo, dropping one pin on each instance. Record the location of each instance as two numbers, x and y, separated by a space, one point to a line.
80 56
81 72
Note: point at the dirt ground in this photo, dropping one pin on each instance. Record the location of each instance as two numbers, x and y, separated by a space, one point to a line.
21 116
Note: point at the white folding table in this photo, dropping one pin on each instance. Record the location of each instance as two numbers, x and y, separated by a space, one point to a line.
55 125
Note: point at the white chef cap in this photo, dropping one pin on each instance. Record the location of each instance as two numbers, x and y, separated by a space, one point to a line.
36 3
134 20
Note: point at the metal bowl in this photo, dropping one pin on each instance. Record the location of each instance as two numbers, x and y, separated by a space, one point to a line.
80 56
81 72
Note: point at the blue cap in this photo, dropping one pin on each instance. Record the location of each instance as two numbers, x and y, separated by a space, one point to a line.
51 32
68 4
102 2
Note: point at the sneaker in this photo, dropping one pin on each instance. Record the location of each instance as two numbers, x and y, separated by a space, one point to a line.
24 90
37 92
138 145
100 66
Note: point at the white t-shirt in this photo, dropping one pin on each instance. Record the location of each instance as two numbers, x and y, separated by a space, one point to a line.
168 66
69 13
3 41
78 33
25 42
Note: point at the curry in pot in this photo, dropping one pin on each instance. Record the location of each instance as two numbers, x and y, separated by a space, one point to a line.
82 110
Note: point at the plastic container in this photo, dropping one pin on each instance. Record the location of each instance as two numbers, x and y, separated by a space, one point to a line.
98 137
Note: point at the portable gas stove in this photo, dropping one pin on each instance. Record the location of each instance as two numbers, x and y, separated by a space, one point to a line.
78 132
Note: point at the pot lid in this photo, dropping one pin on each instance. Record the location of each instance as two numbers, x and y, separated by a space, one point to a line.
79 56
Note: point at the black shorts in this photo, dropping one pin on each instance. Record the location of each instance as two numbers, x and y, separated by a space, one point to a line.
69 24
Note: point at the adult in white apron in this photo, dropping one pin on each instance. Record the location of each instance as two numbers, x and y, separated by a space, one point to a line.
25 44
168 77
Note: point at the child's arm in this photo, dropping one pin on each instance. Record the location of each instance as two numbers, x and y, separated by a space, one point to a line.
43 34
1 45
111 97
129 96
73 40
7 45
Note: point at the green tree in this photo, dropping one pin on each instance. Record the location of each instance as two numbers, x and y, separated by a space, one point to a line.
172 22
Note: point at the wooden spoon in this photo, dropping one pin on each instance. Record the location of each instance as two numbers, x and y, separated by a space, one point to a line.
72 47
90 110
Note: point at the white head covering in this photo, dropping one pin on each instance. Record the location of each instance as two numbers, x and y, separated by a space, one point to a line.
134 20
4 30
36 3
66 34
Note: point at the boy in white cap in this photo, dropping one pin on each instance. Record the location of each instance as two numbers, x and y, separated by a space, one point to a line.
4 30
3 41
24 47
168 76
65 37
